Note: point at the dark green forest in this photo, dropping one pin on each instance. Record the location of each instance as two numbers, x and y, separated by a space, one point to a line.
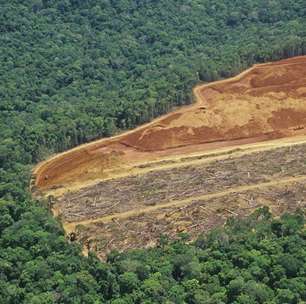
76 70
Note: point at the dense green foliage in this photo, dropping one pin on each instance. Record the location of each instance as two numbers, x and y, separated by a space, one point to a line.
75 70
257 260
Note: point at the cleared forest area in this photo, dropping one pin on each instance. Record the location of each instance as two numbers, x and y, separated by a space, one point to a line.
134 211
165 186
199 216
265 102
240 146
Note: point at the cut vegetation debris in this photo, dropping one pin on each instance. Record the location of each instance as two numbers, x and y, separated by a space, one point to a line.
242 145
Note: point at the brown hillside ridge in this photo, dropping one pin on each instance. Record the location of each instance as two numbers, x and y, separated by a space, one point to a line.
263 103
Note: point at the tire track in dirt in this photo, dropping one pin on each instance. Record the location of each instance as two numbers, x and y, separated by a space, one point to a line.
69 227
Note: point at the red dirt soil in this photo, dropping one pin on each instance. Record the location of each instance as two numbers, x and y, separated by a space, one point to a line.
267 101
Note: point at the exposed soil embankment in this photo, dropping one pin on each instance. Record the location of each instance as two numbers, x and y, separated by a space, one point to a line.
265 102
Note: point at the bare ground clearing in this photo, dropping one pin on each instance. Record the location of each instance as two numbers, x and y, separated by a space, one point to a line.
133 212
265 102
240 146
144 230
164 186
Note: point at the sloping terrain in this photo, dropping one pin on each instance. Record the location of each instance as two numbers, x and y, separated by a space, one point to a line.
240 146
265 102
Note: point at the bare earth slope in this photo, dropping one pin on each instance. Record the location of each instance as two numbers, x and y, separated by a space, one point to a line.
265 102
240 146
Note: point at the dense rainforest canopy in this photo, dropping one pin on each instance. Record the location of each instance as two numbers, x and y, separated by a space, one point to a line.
75 70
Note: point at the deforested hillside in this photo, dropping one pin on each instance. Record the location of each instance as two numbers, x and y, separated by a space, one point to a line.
265 102
76 70
192 198
72 70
